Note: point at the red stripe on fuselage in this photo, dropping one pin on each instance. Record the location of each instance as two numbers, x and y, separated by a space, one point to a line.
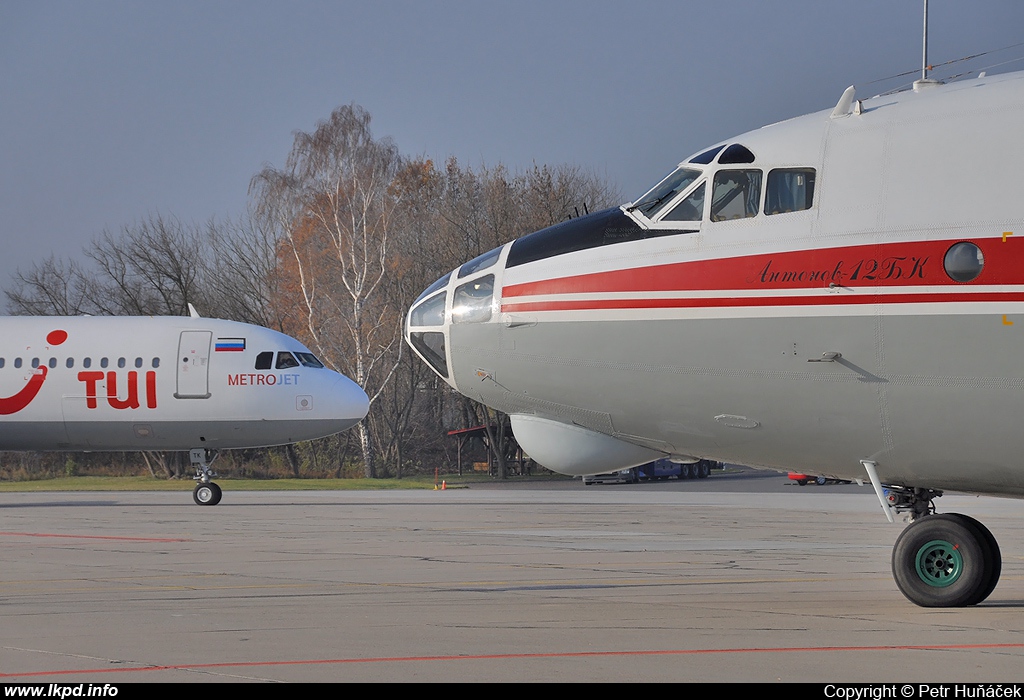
714 302
918 263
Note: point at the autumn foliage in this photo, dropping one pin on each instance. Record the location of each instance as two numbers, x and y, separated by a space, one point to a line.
339 242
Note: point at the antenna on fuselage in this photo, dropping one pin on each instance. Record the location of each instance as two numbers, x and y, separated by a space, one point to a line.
924 45
925 81
192 311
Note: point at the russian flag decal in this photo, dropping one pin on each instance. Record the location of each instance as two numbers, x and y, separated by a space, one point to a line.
229 345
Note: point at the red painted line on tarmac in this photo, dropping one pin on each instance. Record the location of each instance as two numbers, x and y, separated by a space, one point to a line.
94 537
499 657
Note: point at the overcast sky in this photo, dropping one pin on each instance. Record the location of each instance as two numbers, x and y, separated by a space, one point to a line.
112 111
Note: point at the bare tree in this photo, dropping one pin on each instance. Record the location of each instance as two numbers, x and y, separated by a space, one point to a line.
53 287
152 268
243 274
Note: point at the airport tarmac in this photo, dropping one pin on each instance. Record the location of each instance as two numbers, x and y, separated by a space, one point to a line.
693 581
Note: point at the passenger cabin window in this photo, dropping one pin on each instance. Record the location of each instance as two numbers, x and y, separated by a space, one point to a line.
736 194
789 189
691 208
264 360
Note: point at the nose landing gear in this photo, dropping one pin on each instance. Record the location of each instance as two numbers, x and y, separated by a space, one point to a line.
206 493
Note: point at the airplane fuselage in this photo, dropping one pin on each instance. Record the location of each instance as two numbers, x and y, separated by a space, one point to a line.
163 383
836 288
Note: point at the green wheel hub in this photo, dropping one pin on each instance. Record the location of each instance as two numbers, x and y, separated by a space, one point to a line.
939 563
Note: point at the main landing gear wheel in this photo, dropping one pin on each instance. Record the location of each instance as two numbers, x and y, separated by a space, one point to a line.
206 494
993 557
946 561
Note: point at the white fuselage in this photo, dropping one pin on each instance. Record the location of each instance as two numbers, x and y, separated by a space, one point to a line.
162 383
879 317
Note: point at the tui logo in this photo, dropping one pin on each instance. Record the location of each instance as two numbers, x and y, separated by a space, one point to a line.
18 401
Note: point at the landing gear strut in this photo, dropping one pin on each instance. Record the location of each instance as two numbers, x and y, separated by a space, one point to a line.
942 561
206 493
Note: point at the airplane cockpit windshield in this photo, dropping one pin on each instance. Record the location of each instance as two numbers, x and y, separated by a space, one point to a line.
287 360
734 192
665 191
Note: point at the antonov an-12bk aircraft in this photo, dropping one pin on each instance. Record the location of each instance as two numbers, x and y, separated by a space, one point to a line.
164 383
838 294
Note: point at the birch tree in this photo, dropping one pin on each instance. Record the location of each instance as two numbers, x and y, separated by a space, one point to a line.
335 205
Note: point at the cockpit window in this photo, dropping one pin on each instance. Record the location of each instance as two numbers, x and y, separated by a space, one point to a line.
431 346
264 360
789 189
707 156
472 301
308 359
690 209
736 194
285 360
665 191
442 282
480 262
429 313
735 155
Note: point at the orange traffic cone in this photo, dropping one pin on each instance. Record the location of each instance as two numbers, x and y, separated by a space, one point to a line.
444 486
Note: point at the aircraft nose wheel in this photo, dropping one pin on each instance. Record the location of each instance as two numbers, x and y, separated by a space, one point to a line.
945 561
206 494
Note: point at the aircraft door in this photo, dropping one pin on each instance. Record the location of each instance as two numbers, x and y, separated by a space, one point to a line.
194 365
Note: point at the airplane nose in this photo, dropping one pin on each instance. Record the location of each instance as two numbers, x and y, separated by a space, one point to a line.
466 296
350 402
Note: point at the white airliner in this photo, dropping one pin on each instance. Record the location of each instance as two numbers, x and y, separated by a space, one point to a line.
838 294
164 383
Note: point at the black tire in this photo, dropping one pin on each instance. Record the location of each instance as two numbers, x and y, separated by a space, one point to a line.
802 482
685 471
703 470
207 494
821 481
993 557
940 561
